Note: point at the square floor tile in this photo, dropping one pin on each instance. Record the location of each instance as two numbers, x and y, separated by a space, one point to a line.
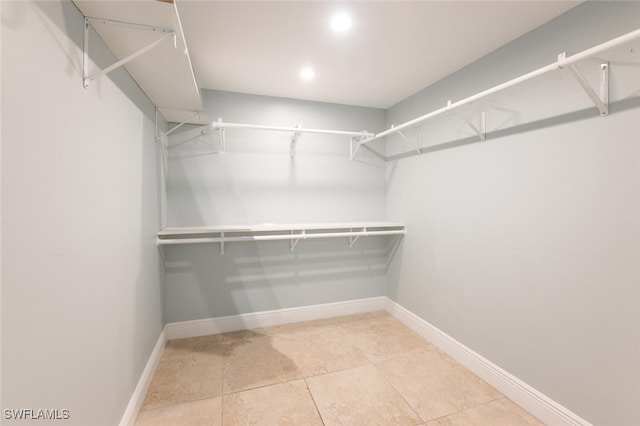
435 385
359 396
185 378
383 337
320 351
205 412
281 404
252 360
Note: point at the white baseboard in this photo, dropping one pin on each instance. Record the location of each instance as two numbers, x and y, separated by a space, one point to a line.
535 402
140 392
204 327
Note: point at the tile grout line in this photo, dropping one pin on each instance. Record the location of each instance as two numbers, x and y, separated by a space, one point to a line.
314 401
471 408
400 394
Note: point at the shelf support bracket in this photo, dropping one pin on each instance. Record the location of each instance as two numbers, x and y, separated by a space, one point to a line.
223 144
352 239
86 77
353 151
177 126
355 142
221 243
295 241
416 146
601 100
480 131
294 141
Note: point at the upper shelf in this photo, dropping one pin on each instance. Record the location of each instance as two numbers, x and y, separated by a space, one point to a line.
164 72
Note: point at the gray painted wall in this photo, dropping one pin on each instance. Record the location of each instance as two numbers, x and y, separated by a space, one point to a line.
81 283
255 181
526 247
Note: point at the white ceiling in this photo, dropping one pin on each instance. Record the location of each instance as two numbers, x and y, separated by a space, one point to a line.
393 49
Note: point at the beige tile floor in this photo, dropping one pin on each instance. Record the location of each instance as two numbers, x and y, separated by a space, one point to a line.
365 369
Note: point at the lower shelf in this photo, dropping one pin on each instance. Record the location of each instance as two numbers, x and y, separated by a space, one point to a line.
270 232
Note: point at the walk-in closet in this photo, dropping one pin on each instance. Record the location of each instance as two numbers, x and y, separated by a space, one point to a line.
320 213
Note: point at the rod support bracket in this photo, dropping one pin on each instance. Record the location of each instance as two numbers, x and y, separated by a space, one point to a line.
480 130
294 241
601 98
415 146
352 240
294 141
223 144
355 143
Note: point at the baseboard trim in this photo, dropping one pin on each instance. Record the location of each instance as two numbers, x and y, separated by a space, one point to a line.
532 400
204 327
139 393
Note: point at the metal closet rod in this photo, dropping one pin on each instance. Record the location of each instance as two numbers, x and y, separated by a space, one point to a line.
221 125
559 64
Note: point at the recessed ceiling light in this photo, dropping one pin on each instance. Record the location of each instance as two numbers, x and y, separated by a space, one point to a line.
307 73
341 23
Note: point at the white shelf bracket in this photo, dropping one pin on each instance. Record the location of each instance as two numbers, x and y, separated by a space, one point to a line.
177 126
223 144
294 141
353 151
355 143
352 239
600 100
294 241
86 77
221 243
415 146
480 131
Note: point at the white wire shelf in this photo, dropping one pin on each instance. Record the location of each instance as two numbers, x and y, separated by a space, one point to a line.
273 232
598 95
296 131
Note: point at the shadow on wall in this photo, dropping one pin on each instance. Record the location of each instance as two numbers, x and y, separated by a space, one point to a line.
584 114
253 277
